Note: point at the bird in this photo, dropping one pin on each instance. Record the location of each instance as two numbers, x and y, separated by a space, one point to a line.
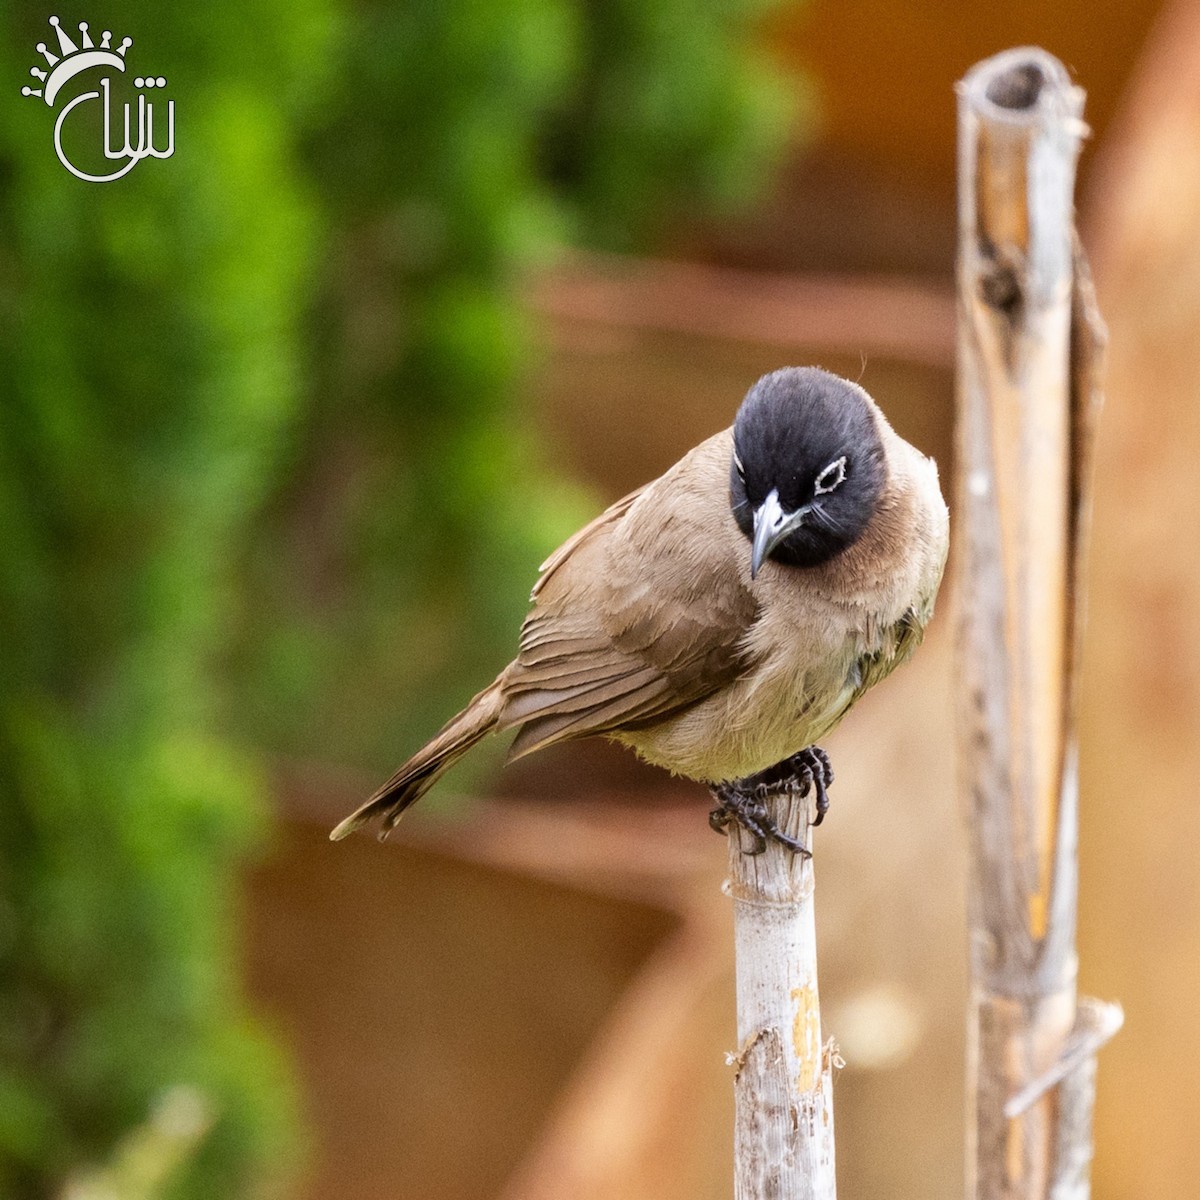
723 618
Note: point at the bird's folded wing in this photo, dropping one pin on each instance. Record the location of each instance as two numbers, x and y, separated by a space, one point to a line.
640 616
611 514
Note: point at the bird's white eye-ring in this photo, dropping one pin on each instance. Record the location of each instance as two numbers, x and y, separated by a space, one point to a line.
737 463
832 477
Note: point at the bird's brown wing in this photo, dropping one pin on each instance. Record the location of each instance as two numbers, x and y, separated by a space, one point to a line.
612 513
641 615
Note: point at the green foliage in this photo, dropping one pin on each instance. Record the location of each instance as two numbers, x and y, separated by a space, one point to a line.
477 135
670 105
150 348
265 480
118 965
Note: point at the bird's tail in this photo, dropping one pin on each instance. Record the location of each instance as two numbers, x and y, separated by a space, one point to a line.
425 767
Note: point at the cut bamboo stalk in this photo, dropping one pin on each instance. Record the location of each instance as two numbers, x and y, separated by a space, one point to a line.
783 1089
1030 342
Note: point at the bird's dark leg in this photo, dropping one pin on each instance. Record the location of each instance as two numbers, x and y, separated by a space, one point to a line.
737 806
744 800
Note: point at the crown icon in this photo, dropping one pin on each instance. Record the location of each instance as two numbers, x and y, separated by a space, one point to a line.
73 58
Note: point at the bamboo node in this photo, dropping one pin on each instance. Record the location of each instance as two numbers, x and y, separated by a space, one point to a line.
1000 288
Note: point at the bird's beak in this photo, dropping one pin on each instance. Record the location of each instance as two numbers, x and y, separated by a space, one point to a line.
771 526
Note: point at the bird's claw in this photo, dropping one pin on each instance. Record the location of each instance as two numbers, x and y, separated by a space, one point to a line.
738 804
819 771
744 800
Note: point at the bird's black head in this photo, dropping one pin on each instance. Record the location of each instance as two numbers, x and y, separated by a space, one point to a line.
808 466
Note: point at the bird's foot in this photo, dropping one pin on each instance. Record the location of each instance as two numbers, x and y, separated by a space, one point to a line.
806 770
820 773
737 805
744 800
743 803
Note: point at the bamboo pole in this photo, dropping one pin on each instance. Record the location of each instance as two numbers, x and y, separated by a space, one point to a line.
783 1125
1030 342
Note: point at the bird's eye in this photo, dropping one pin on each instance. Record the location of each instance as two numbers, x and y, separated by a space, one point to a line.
737 463
833 476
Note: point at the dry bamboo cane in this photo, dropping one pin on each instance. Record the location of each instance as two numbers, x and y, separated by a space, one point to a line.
1030 343
783 1130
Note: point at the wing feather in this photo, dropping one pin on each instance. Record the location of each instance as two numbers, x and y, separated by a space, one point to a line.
555 725
639 616
612 513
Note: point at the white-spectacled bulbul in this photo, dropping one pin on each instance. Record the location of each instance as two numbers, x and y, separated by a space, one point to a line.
723 618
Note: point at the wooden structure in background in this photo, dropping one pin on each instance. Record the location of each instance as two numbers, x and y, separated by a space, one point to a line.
910 320
1029 349
884 67
873 192
1140 887
646 359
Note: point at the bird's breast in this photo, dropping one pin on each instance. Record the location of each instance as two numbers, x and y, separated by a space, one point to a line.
793 691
